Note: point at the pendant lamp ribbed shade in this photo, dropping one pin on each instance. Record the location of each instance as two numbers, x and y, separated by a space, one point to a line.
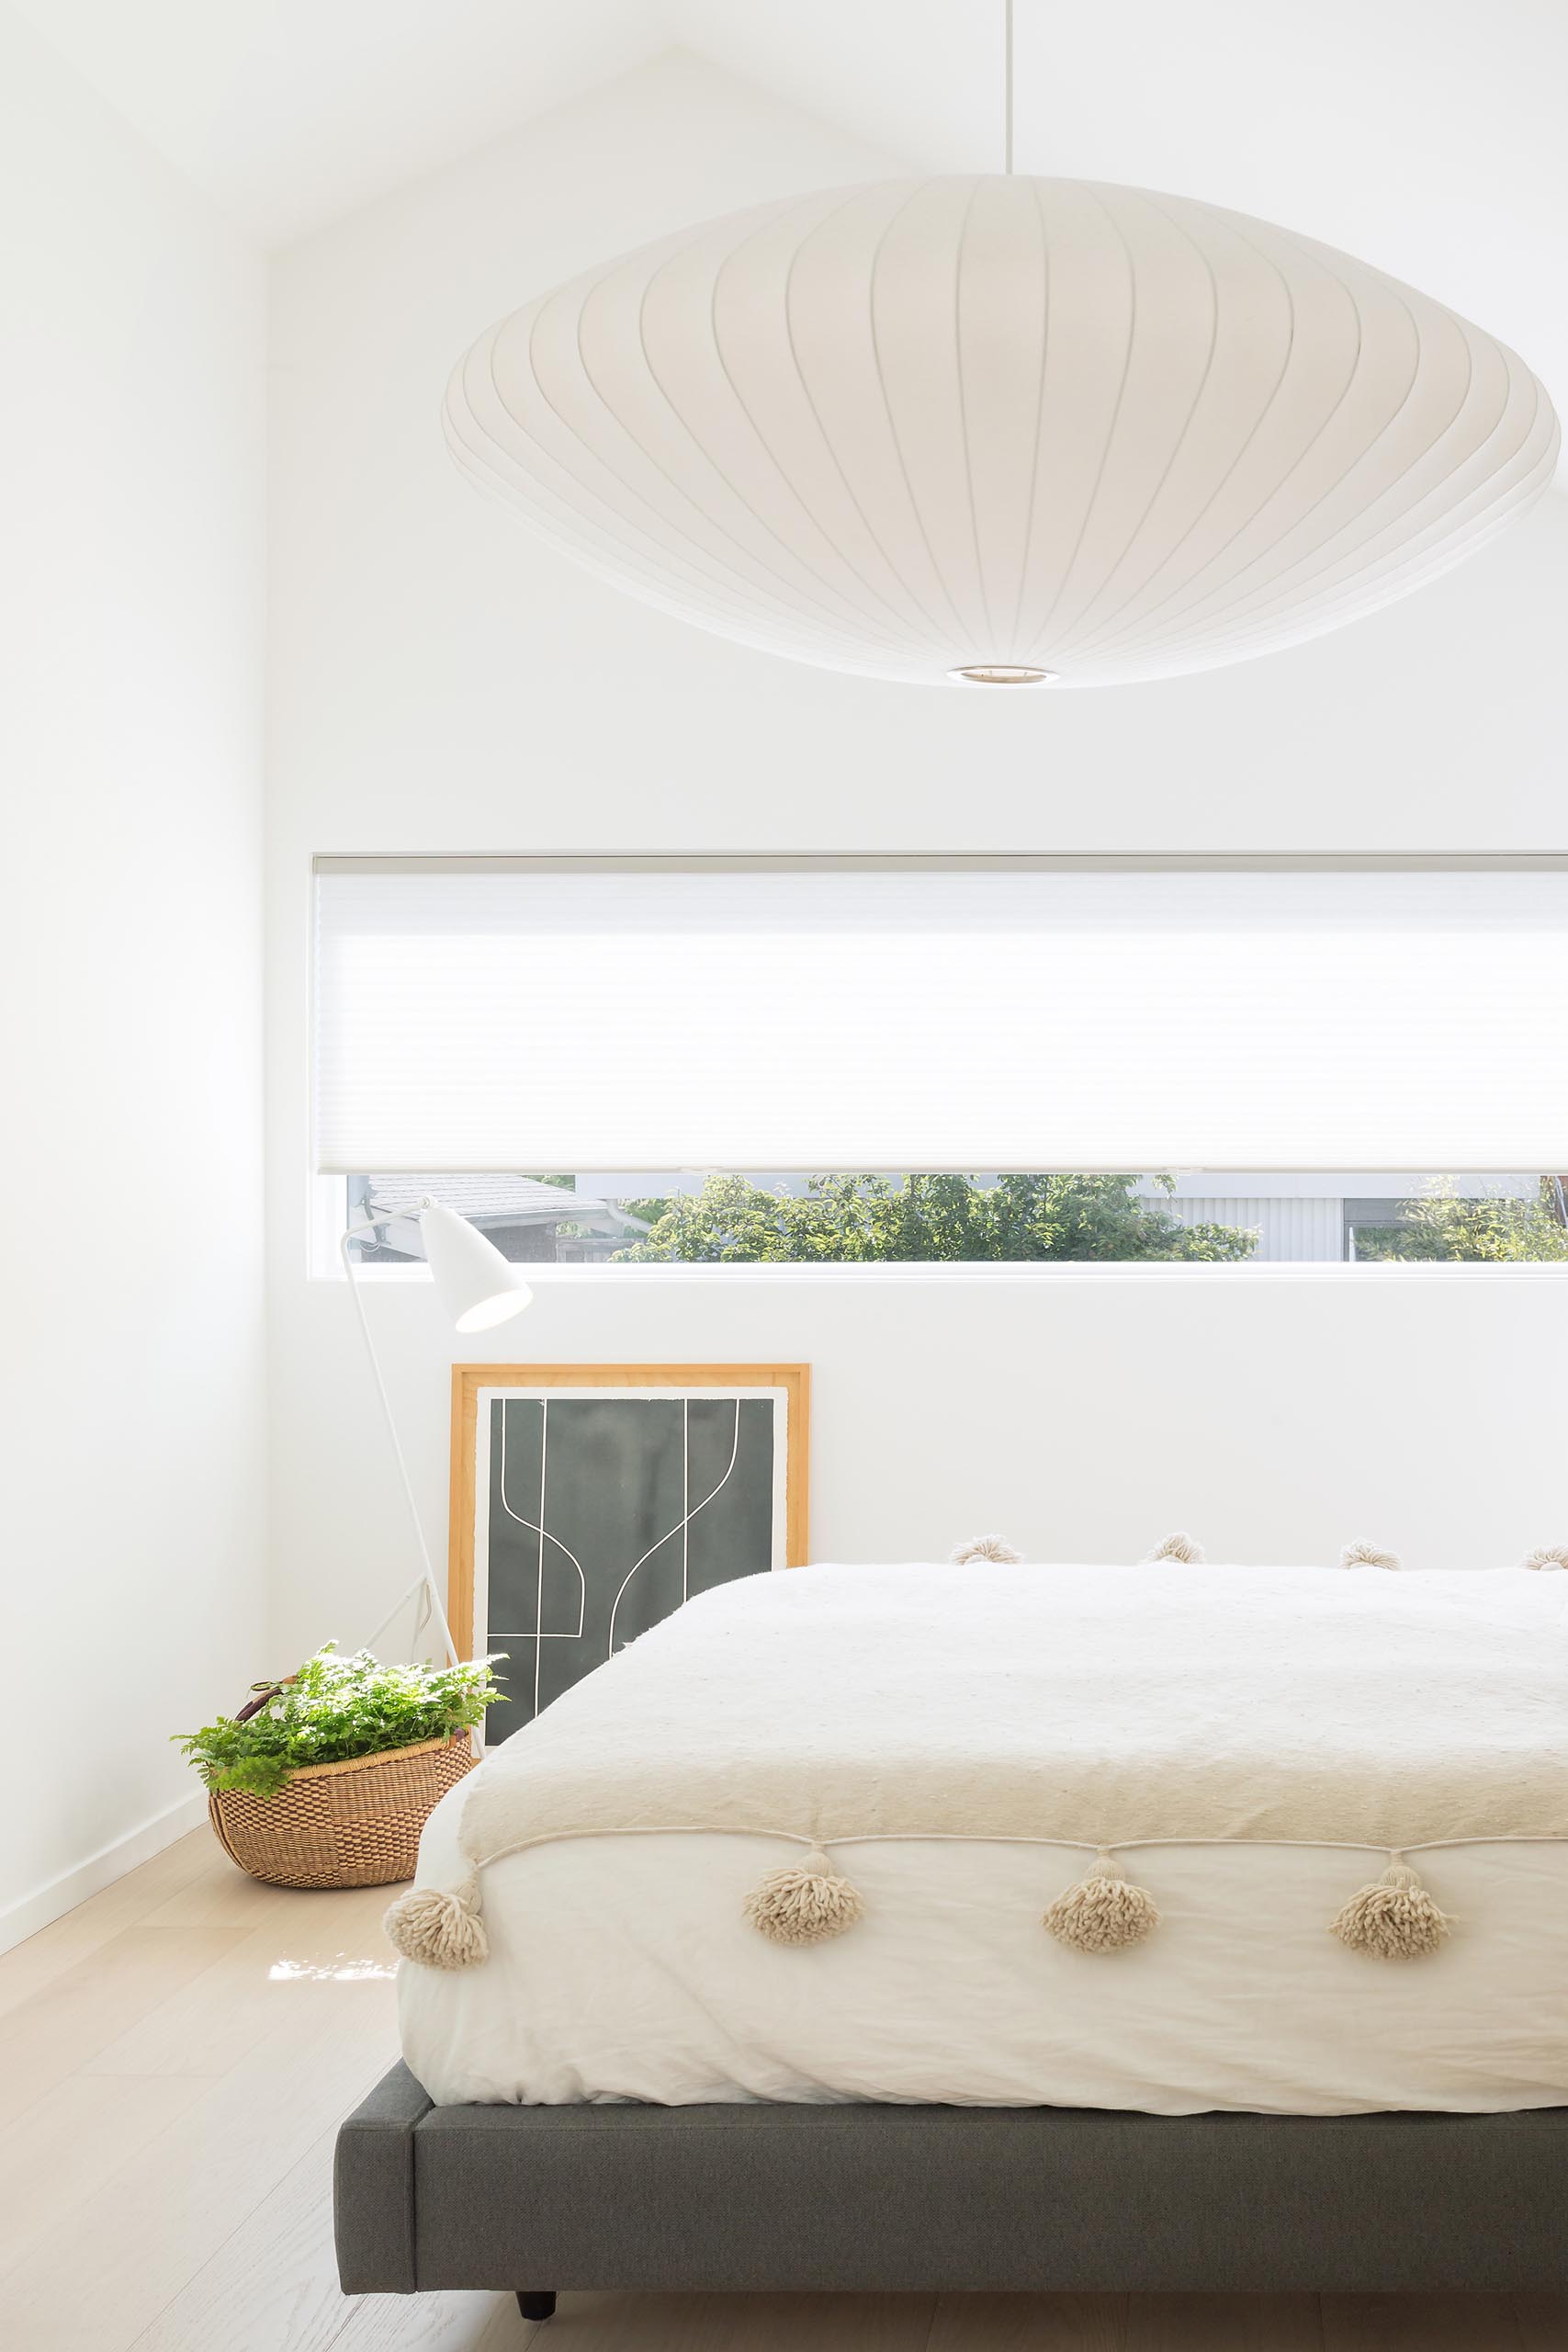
1007 425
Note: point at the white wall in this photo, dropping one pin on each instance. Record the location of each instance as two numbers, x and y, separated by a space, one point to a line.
132 1412
440 682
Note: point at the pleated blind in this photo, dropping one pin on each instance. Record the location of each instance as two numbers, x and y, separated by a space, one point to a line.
813 1018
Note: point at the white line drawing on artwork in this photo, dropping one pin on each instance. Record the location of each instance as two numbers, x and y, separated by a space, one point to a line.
537 1527
681 1524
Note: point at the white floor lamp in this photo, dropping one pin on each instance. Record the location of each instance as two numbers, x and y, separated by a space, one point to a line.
478 1288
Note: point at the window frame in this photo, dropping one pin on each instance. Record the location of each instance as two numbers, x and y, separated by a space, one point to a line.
324 1232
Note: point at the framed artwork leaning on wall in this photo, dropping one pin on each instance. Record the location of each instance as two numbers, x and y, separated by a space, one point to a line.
589 1501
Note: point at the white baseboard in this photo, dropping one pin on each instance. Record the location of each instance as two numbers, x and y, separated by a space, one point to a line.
58 1896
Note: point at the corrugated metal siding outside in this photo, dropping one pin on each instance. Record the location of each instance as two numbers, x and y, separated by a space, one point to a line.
1310 1228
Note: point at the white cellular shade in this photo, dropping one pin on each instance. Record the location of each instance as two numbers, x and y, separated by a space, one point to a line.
932 425
918 1019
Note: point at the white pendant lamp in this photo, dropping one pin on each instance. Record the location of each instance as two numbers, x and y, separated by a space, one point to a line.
1002 431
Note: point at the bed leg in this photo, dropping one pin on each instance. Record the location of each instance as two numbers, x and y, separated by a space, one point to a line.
535 2307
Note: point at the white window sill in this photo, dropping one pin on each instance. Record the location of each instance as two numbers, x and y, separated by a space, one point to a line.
551 1277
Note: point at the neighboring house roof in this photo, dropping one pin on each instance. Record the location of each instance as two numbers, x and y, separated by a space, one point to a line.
493 1200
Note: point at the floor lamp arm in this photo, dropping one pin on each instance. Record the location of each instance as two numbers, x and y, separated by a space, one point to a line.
435 1603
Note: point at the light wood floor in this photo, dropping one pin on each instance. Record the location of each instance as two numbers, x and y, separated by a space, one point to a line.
174 2058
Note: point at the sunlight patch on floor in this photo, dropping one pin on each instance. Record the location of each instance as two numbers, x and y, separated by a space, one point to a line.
341 1971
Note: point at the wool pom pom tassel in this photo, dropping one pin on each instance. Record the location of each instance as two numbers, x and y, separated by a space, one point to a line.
437 1929
1104 1911
1176 1547
1550 1555
1393 1918
805 1903
1369 1555
987 1547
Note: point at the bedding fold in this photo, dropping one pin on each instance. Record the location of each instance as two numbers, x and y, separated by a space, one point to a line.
1099 1706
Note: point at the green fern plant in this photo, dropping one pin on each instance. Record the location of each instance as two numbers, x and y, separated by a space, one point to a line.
336 1708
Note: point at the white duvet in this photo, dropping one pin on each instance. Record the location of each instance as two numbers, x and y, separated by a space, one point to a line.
621 1965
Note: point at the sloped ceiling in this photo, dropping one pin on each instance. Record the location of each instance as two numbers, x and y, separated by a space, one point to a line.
1421 134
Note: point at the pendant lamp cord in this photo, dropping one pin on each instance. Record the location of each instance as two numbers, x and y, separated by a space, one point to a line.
1007 80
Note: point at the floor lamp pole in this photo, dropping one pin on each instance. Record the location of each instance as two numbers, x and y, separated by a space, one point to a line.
434 1604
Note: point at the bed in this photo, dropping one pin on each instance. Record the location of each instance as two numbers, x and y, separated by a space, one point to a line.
637 2083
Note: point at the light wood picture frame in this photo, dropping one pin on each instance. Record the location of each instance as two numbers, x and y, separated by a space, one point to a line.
587 1500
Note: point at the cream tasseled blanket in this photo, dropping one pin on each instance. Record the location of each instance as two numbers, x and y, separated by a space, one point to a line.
1090 1706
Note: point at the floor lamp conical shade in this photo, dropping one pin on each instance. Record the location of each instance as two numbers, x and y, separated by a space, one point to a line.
1002 431
477 1286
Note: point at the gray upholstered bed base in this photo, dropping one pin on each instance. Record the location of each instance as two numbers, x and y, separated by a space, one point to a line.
533 2199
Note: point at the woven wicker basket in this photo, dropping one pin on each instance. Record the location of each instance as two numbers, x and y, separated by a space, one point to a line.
341 1824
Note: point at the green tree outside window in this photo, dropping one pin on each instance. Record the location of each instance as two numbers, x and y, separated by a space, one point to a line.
858 1220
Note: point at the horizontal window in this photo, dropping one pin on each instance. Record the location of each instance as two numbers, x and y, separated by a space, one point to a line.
1009 1016
647 1218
